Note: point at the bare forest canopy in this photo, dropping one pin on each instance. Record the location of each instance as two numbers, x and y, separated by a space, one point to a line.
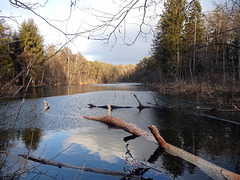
191 49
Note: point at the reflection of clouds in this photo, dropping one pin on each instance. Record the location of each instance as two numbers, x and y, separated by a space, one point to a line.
104 145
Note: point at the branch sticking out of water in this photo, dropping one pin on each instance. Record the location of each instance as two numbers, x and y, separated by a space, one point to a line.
60 165
207 167
210 169
46 106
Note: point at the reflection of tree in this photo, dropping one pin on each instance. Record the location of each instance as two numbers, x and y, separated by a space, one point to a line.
154 157
190 144
31 135
217 141
173 164
3 141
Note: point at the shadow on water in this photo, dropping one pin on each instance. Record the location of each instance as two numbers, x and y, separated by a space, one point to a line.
75 89
63 134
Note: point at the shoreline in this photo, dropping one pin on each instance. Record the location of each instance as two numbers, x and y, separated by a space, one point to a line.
217 94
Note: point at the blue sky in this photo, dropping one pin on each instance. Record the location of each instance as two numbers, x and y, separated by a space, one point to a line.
92 50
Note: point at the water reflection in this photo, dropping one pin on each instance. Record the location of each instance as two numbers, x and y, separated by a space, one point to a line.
215 141
107 146
32 138
75 89
62 125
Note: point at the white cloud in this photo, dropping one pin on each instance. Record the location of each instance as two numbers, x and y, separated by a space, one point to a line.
96 144
80 20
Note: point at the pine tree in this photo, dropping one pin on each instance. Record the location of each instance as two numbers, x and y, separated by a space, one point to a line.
6 62
31 48
192 34
167 43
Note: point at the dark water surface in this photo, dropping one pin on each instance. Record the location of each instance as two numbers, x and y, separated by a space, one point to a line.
62 134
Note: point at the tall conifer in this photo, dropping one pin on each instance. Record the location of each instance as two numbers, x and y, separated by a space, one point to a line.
31 47
167 43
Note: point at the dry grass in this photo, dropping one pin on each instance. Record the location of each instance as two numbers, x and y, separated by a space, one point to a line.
208 92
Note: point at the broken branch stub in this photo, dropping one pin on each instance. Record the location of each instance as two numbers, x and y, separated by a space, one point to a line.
158 137
207 167
46 106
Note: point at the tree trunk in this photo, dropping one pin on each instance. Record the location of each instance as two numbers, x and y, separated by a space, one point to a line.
194 45
210 169
42 77
95 170
224 66
239 54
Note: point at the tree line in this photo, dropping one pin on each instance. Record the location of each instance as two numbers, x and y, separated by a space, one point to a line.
195 48
200 52
48 65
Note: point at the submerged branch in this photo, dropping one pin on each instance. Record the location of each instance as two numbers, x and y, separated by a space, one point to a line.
140 106
235 109
60 165
209 168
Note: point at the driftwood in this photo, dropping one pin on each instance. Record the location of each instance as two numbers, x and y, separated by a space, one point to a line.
116 122
210 169
235 109
105 106
46 106
89 169
140 106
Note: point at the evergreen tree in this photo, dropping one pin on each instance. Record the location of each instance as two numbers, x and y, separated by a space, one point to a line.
192 34
6 62
31 48
167 43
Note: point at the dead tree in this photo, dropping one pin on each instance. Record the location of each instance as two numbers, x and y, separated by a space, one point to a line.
207 167
115 121
234 109
89 169
140 105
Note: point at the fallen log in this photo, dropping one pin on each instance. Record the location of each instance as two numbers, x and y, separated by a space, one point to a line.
140 106
46 106
235 109
207 167
116 122
89 169
105 106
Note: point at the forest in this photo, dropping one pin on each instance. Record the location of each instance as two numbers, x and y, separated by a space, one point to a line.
48 65
195 53
192 53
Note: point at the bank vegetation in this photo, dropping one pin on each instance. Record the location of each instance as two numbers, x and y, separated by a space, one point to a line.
195 53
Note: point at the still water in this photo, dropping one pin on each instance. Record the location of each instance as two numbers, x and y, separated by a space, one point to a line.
62 134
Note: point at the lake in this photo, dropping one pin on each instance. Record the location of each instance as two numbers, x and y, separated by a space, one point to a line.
62 134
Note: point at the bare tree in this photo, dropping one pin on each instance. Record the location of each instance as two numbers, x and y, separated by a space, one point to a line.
109 27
